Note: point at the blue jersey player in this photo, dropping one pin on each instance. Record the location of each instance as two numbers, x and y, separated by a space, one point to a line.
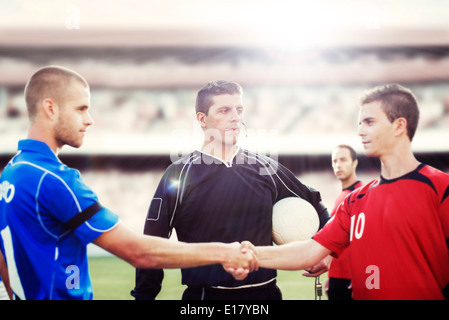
221 193
48 215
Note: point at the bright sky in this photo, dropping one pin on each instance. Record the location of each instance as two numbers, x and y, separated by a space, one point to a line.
288 23
268 14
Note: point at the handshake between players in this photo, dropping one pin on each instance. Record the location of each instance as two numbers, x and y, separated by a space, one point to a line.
308 255
241 261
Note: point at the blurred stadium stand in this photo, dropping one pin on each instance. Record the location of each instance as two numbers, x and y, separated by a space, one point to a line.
144 83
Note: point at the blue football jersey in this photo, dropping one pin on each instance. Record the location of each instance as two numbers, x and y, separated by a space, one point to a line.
47 217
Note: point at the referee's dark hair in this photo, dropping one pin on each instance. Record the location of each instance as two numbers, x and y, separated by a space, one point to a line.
212 89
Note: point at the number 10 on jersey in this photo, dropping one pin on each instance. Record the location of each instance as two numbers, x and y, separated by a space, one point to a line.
357 226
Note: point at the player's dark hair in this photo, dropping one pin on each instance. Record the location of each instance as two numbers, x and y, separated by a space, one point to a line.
397 102
49 82
352 152
212 89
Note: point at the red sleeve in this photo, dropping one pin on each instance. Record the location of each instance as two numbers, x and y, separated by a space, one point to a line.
339 200
335 234
444 214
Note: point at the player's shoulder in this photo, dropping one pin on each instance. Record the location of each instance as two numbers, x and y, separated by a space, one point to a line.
64 176
438 179
261 158
182 164
41 164
191 158
358 184
268 166
361 190
434 177
432 172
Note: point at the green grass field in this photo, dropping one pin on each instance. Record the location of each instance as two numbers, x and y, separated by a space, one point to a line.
113 279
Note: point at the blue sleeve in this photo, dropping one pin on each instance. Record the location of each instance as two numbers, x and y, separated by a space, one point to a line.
66 196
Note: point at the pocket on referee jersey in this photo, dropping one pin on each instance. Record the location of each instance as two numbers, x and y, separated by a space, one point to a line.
154 211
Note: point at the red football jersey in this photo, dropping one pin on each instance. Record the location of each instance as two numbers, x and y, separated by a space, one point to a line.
341 266
398 234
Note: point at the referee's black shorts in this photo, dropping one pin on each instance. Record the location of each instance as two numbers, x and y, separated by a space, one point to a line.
269 291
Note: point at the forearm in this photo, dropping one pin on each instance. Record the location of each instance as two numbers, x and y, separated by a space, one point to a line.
144 251
162 253
296 255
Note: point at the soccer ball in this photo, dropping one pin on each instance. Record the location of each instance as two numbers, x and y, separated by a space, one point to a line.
294 219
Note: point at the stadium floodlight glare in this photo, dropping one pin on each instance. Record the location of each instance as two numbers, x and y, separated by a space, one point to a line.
292 26
295 25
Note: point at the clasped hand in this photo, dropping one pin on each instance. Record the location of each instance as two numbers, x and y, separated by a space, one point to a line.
243 261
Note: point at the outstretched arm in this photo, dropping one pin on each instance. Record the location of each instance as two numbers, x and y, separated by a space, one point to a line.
296 255
145 251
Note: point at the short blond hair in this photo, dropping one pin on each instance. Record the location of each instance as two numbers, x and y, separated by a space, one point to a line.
49 82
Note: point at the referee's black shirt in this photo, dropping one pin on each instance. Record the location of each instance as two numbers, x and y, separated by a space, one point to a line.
208 200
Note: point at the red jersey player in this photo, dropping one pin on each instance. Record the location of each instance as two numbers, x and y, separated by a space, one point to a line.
344 164
397 226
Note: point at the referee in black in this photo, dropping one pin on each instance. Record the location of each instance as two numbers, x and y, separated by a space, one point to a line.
221 193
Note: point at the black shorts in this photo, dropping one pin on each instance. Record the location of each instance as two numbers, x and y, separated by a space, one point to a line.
339 289
269 291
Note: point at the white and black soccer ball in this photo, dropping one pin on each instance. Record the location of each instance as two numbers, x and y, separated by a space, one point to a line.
294 219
